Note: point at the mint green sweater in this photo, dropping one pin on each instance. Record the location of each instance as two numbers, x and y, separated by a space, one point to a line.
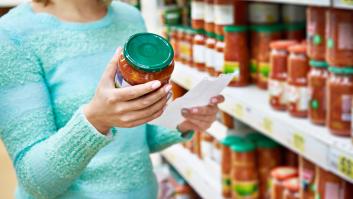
48 70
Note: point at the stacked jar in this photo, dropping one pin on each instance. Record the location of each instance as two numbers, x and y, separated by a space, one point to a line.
198 14
199 50
210 16
210 53
294 20
236 55
173 39
278 176
316 33
278 73
307 178
291 189
219 55
260 14
206 145
185 45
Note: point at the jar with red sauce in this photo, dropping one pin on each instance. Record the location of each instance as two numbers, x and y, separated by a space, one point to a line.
317 78
339 100
307 178
262 36
244 171
236 55
339 50
199 50
173 38
295 31
210 53
297 81
198 14
315 29
278 176
209 16
145 57
219 55
292 189
189 39
278 73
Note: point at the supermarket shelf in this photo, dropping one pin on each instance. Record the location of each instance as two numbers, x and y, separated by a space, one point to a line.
345 4
203 179
250 105
300 2
11 3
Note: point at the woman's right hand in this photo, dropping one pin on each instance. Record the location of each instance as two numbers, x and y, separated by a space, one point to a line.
125 107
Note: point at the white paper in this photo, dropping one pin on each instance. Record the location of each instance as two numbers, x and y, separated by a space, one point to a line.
198 96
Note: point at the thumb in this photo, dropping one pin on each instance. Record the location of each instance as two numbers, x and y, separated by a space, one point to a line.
110 71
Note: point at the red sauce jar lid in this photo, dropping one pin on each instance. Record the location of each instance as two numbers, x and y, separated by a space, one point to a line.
284 173
282 44
292 184
298 48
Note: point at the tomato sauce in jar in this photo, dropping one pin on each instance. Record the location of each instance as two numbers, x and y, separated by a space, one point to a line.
316 29
295 31
236 55
339 50
210 53
291 189
209 16
199 50
145 57
307 178
297 81
278 176
219 55
317 78
278 73
263 35
244 171
198 14
339 100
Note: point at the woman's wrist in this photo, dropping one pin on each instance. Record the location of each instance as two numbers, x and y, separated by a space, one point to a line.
94 121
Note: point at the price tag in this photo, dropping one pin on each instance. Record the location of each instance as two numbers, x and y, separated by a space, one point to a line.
239 110
347 2
188 83
298 142
345 166
267 125
188 173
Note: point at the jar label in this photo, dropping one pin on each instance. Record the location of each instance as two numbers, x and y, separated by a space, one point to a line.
226 182
264 70
224 14
185 50
245 189
198 53
332 190
346 105
345 41
209 13
276 89
232 67
206 149
210 57
217 155
219 61
197 10
298 97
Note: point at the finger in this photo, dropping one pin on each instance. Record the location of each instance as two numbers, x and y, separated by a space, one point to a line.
204 110
144 120
204 118
133 92
150 99
188 125
217 100
201 125
110 71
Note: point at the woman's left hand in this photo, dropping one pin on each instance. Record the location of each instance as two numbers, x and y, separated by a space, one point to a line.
200 118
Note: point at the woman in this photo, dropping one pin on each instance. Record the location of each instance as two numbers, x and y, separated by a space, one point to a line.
69 132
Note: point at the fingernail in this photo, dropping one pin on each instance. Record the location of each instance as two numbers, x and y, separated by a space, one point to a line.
184 111
167 88
195 110
170 94
117 50
156 84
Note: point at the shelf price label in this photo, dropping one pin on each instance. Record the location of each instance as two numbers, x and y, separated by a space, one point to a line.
345 166
188 82
347 2
267 125
188 173
298 142
239 110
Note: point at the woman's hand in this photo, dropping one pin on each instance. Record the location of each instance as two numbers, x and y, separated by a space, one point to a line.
125 107
200 118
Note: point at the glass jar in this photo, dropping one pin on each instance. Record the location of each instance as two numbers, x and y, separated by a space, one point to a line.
209 16
244 175
292 14
198 14
295 31
152 61
189 38
291 189
307 178
278 176
219 55
262 36
291 158
317 92
315 29
264 13
278 73
297 81
339 50
181 39
199 50
206 145
236 55
227 120
339 100
227 142
210 53
173 38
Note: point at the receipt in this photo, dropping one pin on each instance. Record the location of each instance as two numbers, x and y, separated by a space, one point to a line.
200 95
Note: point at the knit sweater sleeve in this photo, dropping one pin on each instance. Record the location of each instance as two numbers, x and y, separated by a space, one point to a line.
47 160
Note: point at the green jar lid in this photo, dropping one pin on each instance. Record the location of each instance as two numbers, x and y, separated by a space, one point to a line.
255 137
295 26
235 28
230 140
341 70
267 143
243 146
318 64
148 52
189 30
200 31
267 28
220 37
211 34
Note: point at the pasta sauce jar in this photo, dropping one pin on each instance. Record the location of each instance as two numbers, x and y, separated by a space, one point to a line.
307 178
339 100
197 14
209 16
278 73
315 29
199 50
339 51
219 55
145 57
297 81
236 55
210 53
317 78
279 175
244 175
291 189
